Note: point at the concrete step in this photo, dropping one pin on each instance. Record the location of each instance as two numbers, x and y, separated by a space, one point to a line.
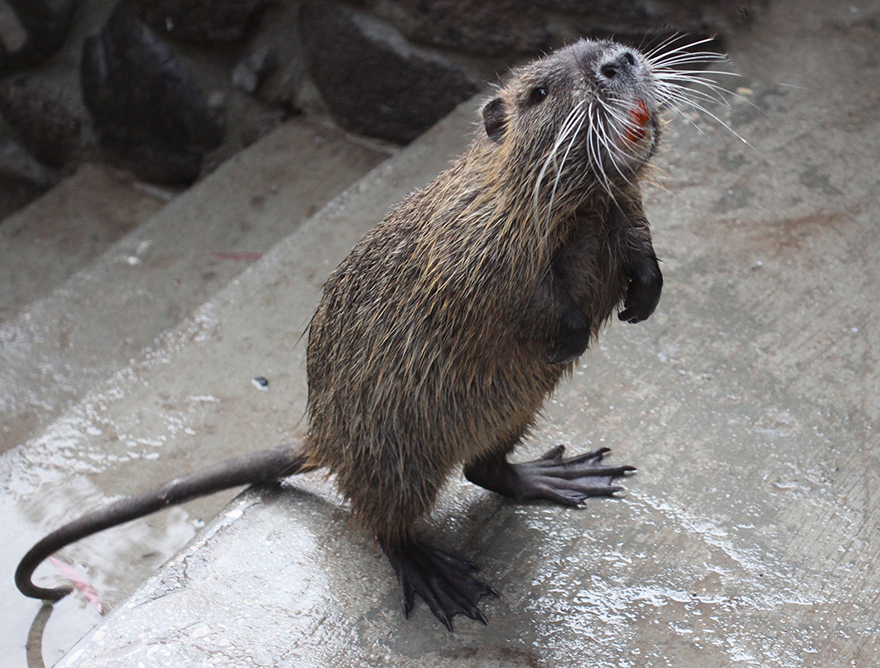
61 344
63 231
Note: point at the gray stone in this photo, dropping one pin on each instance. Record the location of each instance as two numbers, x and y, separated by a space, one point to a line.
42 118
372 79
16 162
251 70
629 8
147 109
496 27
34 30
22 177
485 27
285 83
65 230
199 20
681 15
257 120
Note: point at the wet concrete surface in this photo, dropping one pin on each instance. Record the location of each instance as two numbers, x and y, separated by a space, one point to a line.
68 228
749 403
62 344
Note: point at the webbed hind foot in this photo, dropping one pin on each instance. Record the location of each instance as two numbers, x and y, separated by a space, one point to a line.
443 581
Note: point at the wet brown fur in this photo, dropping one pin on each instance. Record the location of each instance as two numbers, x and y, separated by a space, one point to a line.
429 347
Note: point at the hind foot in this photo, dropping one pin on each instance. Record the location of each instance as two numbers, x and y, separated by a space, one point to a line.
443 581
567 481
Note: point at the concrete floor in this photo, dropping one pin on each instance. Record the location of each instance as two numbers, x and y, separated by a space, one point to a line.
749 402
71 226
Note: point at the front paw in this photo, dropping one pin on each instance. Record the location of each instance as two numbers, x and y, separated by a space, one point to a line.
643 293
572 339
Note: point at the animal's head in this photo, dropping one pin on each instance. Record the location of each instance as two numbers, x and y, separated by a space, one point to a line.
585 116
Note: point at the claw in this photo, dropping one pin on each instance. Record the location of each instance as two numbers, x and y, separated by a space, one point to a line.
566 481
554 453
443 581
407 597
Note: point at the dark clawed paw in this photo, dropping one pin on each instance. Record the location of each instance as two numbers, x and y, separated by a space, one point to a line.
643 293
638 308
572 339
560 356
568 481
443 581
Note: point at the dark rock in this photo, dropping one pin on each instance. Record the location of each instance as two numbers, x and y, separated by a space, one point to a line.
601 7
16 162
258 120
146 106
199 20
285 84
634 17
502 27
37 31
22 177
617 16
485 27
41 117
372 79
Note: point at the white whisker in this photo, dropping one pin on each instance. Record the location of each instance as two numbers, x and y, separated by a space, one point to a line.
717 94
683 99
574 118
667 91
678 87
574 136
664 73
664 44
613 149
624 124
603 141
671 61
655 54
593 152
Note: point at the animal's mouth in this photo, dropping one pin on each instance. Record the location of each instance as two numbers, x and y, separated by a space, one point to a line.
637 126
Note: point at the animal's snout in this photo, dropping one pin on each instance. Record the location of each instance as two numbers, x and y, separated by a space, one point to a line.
623 63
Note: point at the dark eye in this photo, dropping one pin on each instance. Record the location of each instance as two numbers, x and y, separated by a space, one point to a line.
538 95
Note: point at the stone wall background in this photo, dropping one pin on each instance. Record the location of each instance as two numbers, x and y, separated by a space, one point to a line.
168 89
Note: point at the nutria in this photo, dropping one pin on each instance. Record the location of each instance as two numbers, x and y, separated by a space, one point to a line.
438 339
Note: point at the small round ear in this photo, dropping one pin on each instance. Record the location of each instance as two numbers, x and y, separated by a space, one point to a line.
494 119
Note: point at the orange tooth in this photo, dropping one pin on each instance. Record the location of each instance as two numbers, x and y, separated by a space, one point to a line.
639 116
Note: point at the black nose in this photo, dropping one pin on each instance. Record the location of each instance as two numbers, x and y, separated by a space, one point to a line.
624 62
